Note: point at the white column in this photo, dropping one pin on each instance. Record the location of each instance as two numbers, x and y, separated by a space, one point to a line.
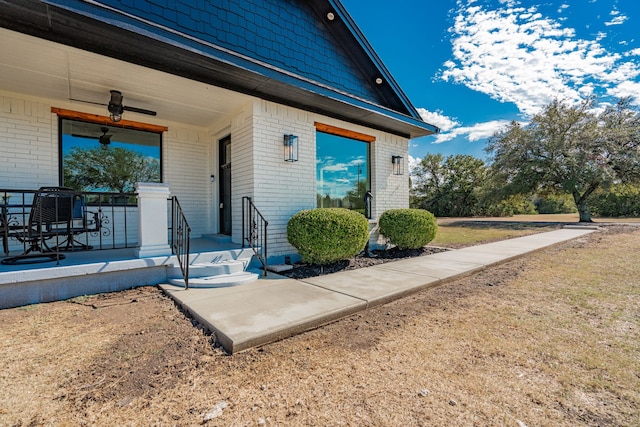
153 229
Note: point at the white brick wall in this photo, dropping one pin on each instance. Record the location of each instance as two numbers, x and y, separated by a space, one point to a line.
280 189
389 190
187 166
28 142
29 147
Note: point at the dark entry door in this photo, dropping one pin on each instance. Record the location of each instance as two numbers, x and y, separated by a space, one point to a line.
225 185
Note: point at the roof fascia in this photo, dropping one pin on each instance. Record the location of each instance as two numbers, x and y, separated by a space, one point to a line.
373 56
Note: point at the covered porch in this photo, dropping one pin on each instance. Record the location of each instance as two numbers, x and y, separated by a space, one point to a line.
96 271
143 240
44 81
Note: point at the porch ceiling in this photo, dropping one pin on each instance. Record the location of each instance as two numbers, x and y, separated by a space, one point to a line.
41 68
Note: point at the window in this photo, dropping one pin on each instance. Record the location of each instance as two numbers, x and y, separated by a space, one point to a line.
342 171
98 157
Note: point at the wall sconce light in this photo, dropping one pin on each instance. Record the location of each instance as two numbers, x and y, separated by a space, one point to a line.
115 106
290 148
398 165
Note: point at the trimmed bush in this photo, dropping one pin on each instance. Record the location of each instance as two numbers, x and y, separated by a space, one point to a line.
408 228
325 235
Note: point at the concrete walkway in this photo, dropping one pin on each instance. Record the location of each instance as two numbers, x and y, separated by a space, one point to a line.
277 307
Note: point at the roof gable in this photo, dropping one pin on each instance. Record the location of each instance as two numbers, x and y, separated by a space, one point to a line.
286 34
284 50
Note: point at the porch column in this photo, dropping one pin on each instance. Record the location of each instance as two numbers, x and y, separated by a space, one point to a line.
153 230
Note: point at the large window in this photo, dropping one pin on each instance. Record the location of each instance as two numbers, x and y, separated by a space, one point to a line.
342 171
96 157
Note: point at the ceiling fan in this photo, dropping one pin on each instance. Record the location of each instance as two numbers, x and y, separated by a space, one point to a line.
104 139
116 108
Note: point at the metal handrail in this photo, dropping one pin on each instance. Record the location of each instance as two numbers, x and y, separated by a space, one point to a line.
180 238
254 231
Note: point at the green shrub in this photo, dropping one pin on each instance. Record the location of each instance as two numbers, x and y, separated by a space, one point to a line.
511 205
555 204
621 200
325 235
408 228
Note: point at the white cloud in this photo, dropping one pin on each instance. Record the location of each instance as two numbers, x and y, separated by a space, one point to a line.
472 133
437 118
356 162
413 162
626 88
338 167
618 20
514 54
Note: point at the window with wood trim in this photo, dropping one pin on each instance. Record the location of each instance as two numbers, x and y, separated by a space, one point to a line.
99 157
342 169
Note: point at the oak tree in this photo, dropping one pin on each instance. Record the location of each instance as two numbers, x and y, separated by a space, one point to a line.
574 149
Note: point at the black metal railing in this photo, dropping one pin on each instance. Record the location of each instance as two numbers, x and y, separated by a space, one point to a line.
180 238
254 231
36 223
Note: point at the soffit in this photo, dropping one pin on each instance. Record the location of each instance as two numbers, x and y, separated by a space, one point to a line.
40 68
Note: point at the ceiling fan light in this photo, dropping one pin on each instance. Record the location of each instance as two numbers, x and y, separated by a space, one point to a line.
115 106
105 138
116 97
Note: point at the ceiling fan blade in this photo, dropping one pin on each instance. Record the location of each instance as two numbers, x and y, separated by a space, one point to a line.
84 136
88 102
124 107
140 110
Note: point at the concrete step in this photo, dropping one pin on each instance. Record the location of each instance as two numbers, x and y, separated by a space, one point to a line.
240 254
216 274
218 238
219 281
208 269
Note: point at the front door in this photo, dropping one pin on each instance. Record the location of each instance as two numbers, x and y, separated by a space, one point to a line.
225 185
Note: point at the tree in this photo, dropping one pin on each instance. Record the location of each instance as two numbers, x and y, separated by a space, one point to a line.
112 169
448 187
569 149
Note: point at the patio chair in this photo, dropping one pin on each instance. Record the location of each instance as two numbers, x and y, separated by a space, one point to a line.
58 215
50 207
81 221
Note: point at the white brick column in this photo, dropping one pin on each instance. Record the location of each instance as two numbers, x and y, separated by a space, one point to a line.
153 227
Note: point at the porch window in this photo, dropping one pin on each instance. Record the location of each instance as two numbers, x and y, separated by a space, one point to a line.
342 171
98 157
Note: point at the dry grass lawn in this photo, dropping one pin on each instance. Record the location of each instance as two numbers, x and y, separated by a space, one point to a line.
551 339
465 233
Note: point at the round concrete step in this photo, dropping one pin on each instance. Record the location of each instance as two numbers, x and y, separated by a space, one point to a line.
218 281
207 269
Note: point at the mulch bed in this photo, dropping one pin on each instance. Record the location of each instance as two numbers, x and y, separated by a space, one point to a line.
302 270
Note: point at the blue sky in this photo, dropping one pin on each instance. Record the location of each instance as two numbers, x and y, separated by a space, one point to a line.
472 66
